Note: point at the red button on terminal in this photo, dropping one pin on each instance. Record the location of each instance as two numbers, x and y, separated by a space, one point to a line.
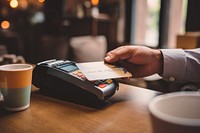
102 85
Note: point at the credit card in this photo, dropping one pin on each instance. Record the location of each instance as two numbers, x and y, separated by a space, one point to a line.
101 70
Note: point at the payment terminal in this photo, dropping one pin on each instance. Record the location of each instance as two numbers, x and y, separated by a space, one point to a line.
62 79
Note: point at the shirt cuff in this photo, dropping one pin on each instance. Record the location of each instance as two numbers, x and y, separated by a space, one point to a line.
174 65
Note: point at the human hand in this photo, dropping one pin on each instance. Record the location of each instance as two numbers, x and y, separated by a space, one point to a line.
141 61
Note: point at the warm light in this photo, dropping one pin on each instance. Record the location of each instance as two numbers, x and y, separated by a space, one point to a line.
13 3
5 24
41 1
23 4
95 2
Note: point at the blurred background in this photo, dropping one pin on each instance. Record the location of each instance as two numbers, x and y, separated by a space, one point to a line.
84 30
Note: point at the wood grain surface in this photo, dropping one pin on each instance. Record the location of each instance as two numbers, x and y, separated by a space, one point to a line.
125 112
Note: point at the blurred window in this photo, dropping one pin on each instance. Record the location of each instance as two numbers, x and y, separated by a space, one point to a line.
153 20
152 23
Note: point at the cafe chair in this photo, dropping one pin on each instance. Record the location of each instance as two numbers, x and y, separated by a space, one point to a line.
88 48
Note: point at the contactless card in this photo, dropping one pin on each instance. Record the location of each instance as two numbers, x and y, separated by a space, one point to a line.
101 70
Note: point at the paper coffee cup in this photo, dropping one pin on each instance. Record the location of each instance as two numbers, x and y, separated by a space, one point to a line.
15 86
177 112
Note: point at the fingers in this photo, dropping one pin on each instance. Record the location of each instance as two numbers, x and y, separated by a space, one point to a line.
121 53
136 70
139 60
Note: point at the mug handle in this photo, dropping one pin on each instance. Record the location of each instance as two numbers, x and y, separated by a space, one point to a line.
198 91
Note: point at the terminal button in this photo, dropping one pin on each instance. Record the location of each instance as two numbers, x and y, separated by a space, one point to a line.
108 81
102 85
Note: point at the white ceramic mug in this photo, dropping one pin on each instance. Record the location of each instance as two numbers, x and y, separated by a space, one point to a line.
177 112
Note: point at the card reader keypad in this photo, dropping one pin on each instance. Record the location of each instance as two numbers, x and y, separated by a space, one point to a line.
98 83
79 74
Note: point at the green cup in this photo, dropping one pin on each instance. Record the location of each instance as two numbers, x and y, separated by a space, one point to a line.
15 86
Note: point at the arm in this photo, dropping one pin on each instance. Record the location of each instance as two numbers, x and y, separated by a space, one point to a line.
181 65
172 64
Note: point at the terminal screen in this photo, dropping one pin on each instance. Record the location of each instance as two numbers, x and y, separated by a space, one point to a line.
69 68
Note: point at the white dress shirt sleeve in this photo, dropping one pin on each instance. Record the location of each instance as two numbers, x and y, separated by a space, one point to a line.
181 65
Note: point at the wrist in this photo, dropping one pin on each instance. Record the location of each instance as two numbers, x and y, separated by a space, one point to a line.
158 61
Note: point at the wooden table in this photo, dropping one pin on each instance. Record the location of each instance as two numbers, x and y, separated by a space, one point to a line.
126 113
